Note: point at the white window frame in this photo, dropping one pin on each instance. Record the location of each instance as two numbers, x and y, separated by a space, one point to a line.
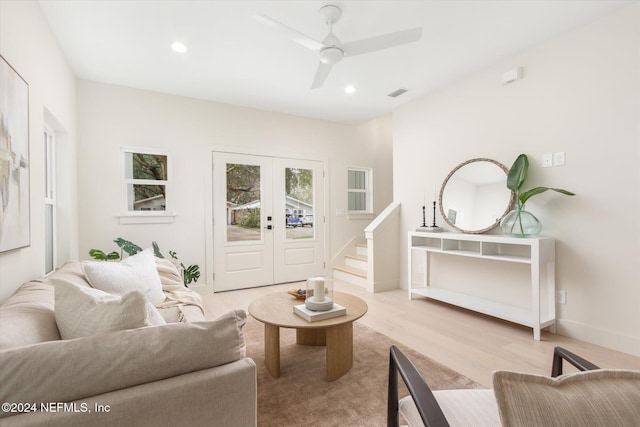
50 193
368 190
145 217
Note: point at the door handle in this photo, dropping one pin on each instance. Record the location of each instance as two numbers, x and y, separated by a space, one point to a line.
269 227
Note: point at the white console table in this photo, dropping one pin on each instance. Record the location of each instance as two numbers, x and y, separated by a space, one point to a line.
535 251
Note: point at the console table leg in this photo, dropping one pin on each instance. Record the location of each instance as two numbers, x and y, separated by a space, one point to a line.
272 349
339 350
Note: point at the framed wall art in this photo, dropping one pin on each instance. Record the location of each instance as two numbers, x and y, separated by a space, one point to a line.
15 229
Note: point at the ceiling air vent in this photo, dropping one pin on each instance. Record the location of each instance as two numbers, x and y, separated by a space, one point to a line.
397 93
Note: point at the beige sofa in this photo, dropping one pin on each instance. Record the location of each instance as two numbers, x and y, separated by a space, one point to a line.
194 372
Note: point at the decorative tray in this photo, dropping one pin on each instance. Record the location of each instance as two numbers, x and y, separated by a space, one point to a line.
298 293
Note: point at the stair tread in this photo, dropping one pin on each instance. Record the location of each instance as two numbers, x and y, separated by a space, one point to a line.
356 256
362 245
352 270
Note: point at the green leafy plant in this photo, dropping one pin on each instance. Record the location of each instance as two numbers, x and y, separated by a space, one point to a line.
101 256
515 179
127 246
190 274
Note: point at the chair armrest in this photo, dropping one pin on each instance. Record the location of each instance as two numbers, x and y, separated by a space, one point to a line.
560 354
430 412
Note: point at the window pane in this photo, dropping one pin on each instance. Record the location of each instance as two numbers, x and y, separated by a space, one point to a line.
48 238
299 203
357 201
243 202
146 197
357 180
146 166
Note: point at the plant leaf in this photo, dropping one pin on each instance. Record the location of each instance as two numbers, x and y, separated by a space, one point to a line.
156 250
97 254
191 274
530 193
127 246
518 173
112 256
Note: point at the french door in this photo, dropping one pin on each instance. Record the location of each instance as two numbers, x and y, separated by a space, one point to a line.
268 220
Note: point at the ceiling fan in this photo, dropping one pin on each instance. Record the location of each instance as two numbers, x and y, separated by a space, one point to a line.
332 50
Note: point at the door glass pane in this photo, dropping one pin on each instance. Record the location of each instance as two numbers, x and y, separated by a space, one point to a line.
146 197
243 202
299 203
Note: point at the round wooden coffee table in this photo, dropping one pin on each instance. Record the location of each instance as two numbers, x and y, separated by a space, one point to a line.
276 311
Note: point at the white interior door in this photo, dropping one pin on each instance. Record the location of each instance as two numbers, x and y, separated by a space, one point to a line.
268 220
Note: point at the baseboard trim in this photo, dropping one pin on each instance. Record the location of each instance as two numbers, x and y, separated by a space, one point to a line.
599 336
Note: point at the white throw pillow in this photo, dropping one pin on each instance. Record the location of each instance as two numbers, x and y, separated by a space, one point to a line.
82 311
135 273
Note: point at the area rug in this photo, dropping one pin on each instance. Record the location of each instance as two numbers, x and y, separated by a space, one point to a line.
302 397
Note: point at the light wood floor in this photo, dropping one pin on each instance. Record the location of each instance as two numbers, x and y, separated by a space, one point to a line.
472 344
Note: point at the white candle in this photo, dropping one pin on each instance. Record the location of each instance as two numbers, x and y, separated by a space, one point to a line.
318 289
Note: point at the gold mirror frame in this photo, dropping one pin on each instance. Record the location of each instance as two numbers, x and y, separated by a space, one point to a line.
456 169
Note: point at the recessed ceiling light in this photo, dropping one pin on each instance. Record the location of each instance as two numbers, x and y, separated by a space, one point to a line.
178 47
349 89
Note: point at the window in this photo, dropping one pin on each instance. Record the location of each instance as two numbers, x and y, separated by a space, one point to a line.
146 186
359 190
49 200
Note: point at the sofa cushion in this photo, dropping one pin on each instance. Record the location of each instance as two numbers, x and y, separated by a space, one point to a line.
134 273
27 316
81 311
64 371
599 397
460 407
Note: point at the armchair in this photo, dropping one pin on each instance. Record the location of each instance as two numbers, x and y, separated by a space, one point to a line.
592 396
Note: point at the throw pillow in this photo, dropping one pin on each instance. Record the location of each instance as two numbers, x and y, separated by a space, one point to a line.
82 311
596 398
135 273
66 371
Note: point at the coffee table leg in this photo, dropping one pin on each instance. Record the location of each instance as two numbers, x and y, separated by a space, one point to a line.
272 349
311 336
339 350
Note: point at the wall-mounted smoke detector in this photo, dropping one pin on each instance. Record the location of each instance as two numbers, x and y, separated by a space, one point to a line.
512 76
397 93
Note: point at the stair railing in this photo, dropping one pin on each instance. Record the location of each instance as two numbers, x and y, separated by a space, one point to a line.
383 250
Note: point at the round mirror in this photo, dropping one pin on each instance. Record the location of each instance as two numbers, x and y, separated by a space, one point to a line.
474 197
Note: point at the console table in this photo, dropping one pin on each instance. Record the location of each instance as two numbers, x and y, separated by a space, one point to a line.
537 252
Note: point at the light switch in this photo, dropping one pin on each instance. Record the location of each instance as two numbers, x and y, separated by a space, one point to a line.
547 160
558 159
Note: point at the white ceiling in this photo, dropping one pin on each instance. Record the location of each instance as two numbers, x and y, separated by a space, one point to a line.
234 59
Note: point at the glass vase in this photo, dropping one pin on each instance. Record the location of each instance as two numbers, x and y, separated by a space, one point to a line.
520 223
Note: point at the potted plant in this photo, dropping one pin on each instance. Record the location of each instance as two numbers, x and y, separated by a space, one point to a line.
519 222
189 274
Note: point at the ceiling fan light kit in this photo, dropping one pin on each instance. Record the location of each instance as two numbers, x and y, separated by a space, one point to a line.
331 50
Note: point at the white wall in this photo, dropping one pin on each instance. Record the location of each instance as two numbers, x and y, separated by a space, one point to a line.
111 116
27 44
580 94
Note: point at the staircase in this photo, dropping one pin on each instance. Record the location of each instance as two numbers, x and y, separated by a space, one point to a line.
376 264
355 267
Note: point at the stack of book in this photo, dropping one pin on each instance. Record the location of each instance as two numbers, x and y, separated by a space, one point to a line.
313 316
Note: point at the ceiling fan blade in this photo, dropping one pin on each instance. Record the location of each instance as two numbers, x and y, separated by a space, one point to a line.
297 36
384 41
321 75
